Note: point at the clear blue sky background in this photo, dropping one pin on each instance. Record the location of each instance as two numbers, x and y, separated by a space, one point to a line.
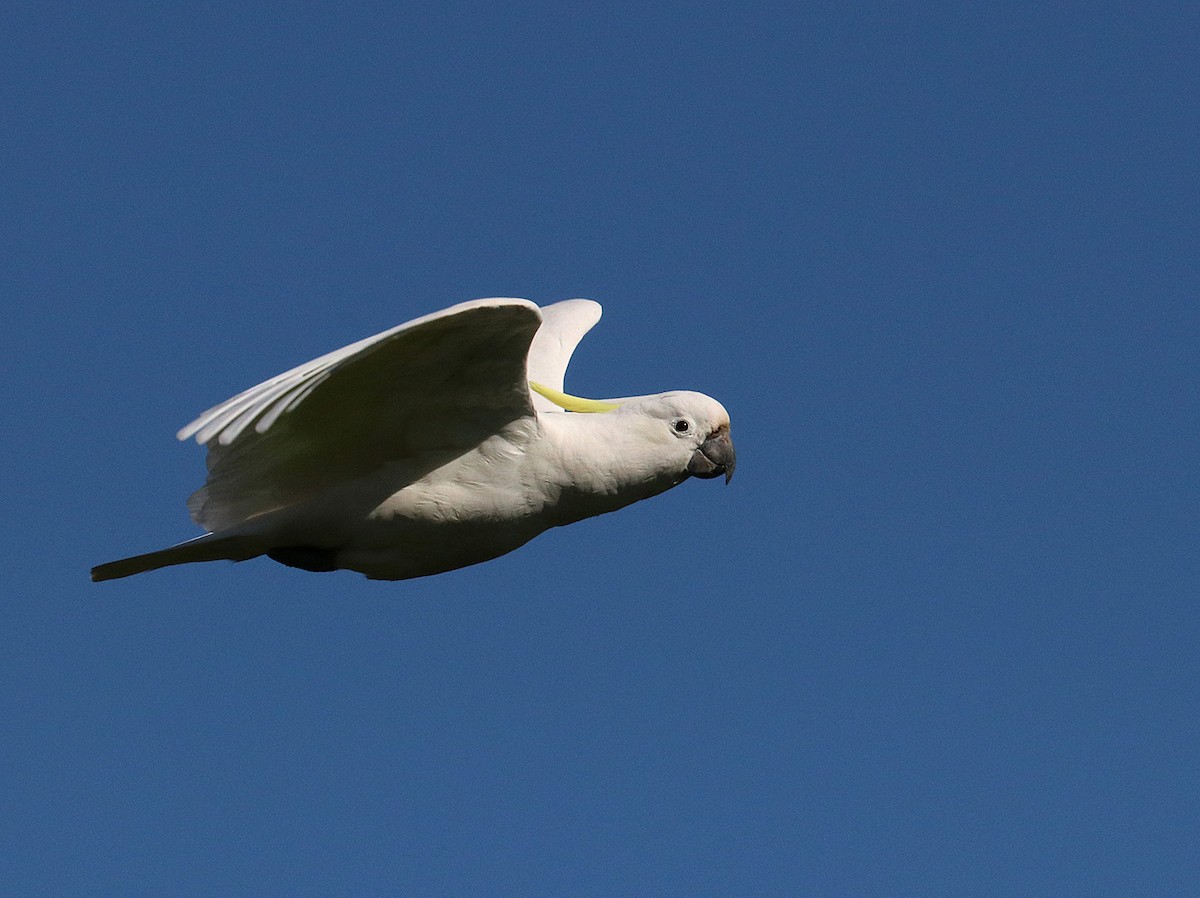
940 636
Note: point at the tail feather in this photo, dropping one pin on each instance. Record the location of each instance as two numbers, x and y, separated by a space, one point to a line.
208 547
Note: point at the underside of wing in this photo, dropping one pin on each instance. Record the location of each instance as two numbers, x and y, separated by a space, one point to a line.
422 393
563 326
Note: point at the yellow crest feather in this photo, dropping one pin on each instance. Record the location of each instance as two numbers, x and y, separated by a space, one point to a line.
572 403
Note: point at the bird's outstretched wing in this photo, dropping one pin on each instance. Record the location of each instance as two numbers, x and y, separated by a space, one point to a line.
422 392
564 325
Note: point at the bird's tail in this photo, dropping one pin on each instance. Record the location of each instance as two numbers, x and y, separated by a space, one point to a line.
209 547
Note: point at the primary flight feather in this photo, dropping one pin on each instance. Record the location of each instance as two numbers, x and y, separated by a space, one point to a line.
440 443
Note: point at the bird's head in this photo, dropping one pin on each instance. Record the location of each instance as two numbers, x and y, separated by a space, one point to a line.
658 440
690 429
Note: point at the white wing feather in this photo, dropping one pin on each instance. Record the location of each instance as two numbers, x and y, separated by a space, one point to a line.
422 392
563 326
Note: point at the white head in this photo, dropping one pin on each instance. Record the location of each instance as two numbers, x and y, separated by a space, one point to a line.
667 435
690 428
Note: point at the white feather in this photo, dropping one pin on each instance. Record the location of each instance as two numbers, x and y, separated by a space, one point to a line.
564 324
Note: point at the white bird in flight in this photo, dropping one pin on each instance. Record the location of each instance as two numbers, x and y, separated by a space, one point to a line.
437 444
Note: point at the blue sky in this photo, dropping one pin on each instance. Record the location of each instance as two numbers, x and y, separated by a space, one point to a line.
941 634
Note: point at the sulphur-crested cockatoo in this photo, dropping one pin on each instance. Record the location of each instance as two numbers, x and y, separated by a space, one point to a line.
437 444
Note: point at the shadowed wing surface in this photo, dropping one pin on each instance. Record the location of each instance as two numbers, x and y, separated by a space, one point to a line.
423 392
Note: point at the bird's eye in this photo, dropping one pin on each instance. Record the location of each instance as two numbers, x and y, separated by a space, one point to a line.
682 426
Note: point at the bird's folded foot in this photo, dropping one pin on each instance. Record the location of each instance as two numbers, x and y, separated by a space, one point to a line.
307 558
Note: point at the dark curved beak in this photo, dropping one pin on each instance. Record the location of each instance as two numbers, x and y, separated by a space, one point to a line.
715 457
